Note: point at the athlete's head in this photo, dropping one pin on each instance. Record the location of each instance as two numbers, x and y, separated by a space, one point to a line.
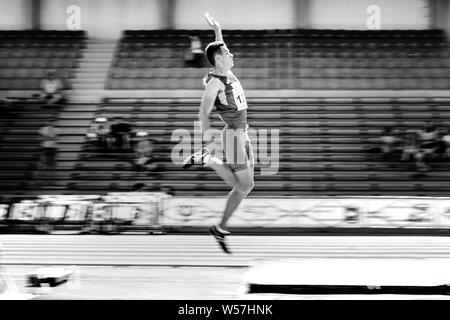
218 54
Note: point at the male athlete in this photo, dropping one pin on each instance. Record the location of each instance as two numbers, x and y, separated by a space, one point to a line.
224 91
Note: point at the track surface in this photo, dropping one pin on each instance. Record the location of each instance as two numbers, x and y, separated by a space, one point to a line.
188 266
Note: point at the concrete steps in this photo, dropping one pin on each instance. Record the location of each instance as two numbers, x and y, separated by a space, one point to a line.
90 77
91 95
100 65
86 79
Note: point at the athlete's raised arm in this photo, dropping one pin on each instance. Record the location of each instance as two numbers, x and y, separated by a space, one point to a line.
207 103
214 24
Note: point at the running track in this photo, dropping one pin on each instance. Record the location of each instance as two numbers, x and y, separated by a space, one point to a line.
189 266
202 250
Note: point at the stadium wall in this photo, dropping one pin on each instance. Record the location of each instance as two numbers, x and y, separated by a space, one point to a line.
15 15
103 18
120 15
237 14
107 18
354 14
440 12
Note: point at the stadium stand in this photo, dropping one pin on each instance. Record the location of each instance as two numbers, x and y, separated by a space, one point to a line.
289 59
25 56
322 148
322 140
20 144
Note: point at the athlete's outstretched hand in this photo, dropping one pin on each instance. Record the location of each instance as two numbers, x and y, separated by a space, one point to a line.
212 22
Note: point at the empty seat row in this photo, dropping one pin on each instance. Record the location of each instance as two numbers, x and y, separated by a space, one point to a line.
364 72
24 84
301 72
241 62
310 33
36 53
154 83
366 63
149 63
158 72
32 73
45 34
286 83
286 52
147 54
38 63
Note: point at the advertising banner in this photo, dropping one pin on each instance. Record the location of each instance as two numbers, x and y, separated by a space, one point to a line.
3 211
25 211
74 211
265 212
64 197
139 208
335 212
70 208
160 210
403 212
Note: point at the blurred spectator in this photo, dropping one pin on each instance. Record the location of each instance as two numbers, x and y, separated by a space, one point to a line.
428 136
99 132
144 158
195 57
430 141
49 136
411 150
120 131
139 187
51 88
5 102
167 190
446 144
389 144
49 147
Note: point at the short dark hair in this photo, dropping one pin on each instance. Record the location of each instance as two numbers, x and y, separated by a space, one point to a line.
387 130
138 186
211 50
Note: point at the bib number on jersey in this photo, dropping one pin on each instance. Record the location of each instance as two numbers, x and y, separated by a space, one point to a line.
239 97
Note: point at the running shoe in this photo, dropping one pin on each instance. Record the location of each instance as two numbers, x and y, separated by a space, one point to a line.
220 237
196 158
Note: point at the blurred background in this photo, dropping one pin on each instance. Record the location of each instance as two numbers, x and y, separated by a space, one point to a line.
92 91
311 69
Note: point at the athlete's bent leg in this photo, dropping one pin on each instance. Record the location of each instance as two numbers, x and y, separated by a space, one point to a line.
243 172
240 191
223 170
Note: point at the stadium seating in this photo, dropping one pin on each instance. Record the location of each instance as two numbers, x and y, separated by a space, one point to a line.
25 56
322 148
322 140
20 145
289 59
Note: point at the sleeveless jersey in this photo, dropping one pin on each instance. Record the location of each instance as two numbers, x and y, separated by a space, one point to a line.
230 103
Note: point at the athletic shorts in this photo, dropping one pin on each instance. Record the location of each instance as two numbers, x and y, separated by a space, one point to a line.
238 152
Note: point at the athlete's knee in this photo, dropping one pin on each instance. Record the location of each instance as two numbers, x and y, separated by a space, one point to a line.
245 187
